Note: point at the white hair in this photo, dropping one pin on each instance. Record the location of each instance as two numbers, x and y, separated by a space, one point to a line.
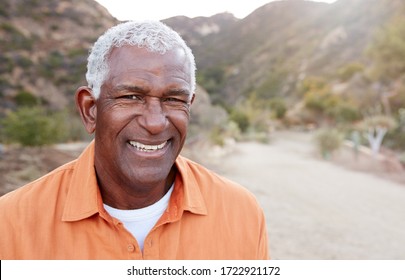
152 35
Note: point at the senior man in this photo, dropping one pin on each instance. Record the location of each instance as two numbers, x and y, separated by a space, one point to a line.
130 195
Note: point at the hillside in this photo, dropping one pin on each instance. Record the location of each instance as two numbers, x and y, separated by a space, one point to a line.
43 48
280 43
270 59
44 45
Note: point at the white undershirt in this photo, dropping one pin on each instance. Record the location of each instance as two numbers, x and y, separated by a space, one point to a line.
139 222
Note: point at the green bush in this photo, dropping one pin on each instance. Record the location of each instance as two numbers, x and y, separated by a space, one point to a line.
25 98
395 140
14 39
50 64
23 61
320 100
3 11
311 84
32 127
212 79
241 119
6 64
328 141
278 106
344 112
347 72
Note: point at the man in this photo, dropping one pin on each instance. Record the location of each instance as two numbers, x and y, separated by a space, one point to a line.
130 195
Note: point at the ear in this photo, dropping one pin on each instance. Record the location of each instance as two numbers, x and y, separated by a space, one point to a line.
86 104
192 99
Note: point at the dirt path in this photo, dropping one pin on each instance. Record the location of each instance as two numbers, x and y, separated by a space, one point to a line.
316 209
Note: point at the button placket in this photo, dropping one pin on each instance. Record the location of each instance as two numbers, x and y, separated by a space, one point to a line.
151 245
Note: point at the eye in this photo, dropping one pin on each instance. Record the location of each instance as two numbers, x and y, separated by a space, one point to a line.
176 100
132 97
173 99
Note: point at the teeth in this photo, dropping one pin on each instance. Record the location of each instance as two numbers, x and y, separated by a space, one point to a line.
147 148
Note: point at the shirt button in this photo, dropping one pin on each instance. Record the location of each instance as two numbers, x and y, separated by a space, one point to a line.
130 248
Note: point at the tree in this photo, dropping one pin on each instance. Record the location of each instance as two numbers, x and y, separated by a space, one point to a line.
375 128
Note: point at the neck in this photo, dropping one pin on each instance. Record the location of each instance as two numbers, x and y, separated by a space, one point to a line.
126 197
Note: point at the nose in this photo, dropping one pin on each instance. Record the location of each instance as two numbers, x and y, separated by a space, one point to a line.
153 118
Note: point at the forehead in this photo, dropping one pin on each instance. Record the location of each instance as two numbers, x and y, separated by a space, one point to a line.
129 61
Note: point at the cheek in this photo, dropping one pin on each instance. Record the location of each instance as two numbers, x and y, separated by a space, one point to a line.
112 121
180 121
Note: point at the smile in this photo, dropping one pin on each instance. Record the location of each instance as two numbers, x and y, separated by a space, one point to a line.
147 148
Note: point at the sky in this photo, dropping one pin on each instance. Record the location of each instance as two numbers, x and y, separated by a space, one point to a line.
162 9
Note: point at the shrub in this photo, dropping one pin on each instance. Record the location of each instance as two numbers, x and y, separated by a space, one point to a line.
32 127
311 84
6 64
328 141
241 119
278 106
320 100
347 72
25 98
395 140
14 39
344 112
23 61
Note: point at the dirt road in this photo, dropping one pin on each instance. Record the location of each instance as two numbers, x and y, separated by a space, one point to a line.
316 209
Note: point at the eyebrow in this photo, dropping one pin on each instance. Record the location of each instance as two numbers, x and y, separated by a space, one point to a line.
143 90
131 88
177 92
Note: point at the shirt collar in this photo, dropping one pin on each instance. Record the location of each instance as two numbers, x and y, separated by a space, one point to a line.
84 197
192 199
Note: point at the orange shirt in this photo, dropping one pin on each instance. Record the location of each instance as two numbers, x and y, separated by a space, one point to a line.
61 216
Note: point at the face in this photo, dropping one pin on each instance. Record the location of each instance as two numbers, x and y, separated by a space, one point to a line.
142 116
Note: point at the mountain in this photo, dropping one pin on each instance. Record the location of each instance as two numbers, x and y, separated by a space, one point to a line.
44 45
195 30
270 51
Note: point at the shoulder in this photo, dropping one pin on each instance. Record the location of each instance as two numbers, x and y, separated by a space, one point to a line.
39 191
216 187
232 210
